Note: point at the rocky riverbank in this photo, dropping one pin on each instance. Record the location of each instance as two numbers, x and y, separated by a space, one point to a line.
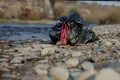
34 60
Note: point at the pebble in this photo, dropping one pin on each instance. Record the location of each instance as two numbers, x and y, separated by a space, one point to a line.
17 60
115 42
87 66
76 54
59 73
36 47
107 43
107 74
74 74
97 58
9 76
47 51
3 60
31 56
72 62
43 61
41 69
43 46
87 75
66 53
3 69
115 66
36 77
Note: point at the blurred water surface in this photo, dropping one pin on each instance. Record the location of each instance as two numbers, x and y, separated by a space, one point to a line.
17 31
110 3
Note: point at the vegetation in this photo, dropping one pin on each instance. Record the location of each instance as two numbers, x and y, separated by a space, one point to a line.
34 10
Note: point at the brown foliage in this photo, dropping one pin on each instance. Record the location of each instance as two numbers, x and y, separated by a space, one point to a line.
90 12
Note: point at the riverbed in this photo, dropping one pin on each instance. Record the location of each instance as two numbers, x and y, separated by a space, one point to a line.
24 56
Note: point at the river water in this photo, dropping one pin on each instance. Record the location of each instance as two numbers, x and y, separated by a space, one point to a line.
106 2
13 31
17 31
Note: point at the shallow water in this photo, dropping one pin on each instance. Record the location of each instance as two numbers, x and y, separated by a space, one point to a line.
13 31
107 2
17 31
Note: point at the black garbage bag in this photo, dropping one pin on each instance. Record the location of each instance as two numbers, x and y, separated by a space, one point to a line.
70 30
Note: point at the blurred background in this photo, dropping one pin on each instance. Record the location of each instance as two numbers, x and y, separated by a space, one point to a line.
102 12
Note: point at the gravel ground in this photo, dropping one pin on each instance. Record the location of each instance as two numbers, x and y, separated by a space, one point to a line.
35 60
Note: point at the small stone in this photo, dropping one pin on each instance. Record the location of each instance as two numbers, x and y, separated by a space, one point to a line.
87 66
17 55
4 69
43 61
17 60
31 56
115 42
36 77
41 69
9 76
107 43
59 73
36 47
17 65
43 46
76 54
96 48
107 74
72 62
3 60
4 64
66 53
119 60
97 58
75 74
0 49
87 75
47 51
115 66
61 65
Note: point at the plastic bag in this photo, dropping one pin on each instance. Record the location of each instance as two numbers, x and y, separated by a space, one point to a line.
76 33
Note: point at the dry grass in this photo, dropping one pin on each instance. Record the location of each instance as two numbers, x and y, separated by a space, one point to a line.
90 12
93 12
